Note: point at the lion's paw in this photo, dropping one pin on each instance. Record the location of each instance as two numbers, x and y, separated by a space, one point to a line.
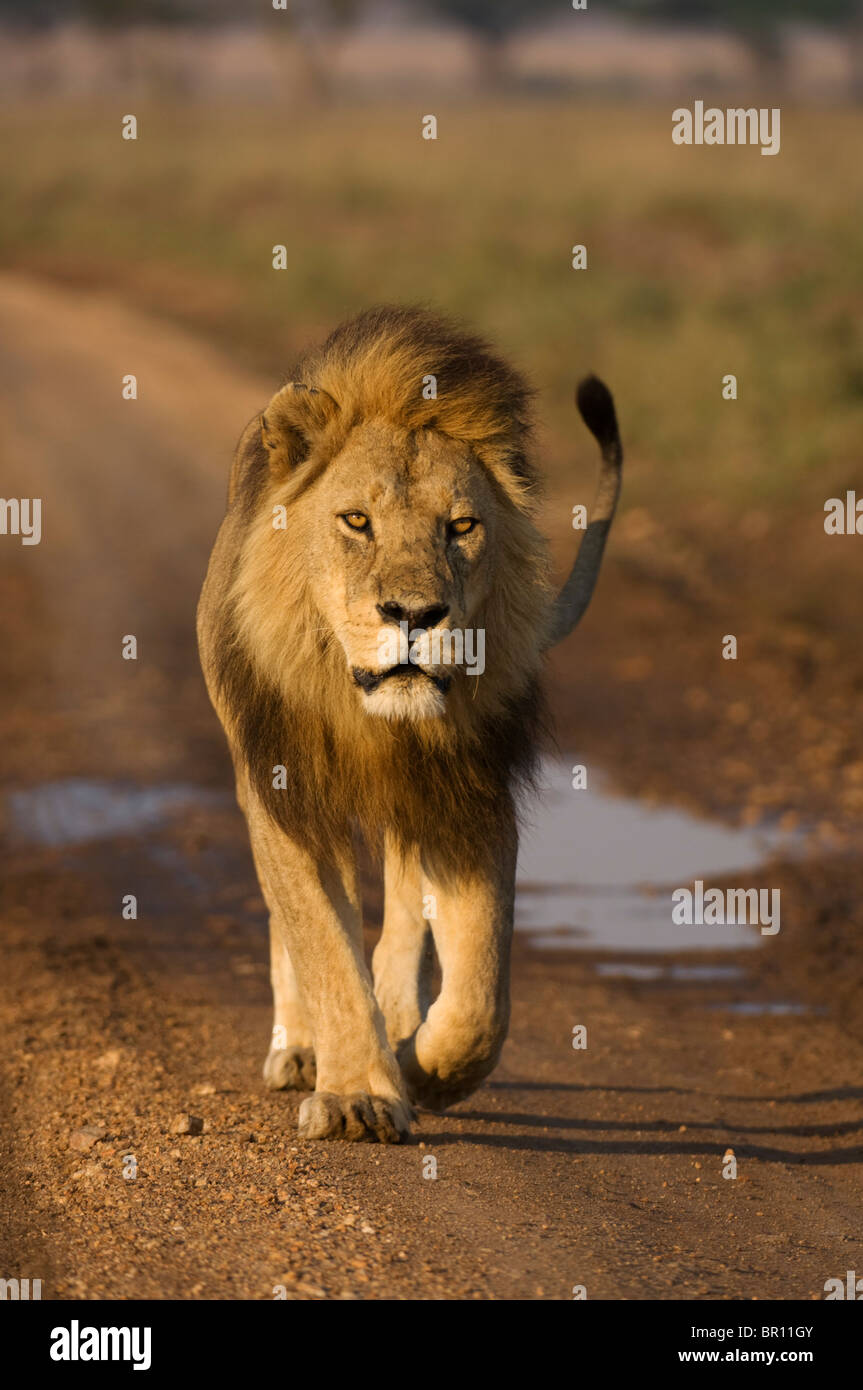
431 1091
290 1069
358 1117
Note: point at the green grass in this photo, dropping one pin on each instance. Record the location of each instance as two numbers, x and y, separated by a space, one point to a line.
702 261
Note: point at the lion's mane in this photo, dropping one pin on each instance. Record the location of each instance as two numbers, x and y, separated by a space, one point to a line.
440 783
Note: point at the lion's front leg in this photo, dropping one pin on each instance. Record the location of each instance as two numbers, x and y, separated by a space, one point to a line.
460 1040
404 956
290 1062
314 908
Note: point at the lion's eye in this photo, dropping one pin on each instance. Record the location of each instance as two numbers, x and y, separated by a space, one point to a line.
358 521
462 525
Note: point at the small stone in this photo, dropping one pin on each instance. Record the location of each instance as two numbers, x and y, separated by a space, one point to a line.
110 1059
187 1124
92 1171
85 1137
206 1089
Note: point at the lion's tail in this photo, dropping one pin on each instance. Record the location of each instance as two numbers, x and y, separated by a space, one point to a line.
596 406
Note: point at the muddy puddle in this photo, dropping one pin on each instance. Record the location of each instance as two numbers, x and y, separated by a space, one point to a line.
596 873
79 811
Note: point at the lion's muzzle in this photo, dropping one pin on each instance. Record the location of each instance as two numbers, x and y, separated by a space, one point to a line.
369 681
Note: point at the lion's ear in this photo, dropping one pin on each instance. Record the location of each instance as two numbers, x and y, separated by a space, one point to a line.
292 420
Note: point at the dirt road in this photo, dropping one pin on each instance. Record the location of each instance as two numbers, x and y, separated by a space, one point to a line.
599 1168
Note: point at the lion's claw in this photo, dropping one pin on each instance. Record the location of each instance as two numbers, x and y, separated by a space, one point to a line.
358 1117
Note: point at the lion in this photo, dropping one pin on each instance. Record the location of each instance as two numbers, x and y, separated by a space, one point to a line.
382 507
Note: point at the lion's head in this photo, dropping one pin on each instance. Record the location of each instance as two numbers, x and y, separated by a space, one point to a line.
394 525
402 538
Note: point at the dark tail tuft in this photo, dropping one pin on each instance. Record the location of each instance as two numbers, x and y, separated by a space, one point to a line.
596 404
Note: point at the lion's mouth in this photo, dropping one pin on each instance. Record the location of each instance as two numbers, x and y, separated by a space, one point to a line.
369 681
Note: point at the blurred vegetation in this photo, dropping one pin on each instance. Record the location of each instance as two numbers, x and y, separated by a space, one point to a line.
492 18
743 14
761 25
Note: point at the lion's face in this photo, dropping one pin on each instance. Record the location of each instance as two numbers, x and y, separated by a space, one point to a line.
402 530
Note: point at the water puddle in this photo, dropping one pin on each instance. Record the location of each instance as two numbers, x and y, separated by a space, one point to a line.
596 871
676 974
77 811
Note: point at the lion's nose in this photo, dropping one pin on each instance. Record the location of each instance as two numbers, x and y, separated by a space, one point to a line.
394 612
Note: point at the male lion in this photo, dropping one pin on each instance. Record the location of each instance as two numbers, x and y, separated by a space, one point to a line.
362 506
